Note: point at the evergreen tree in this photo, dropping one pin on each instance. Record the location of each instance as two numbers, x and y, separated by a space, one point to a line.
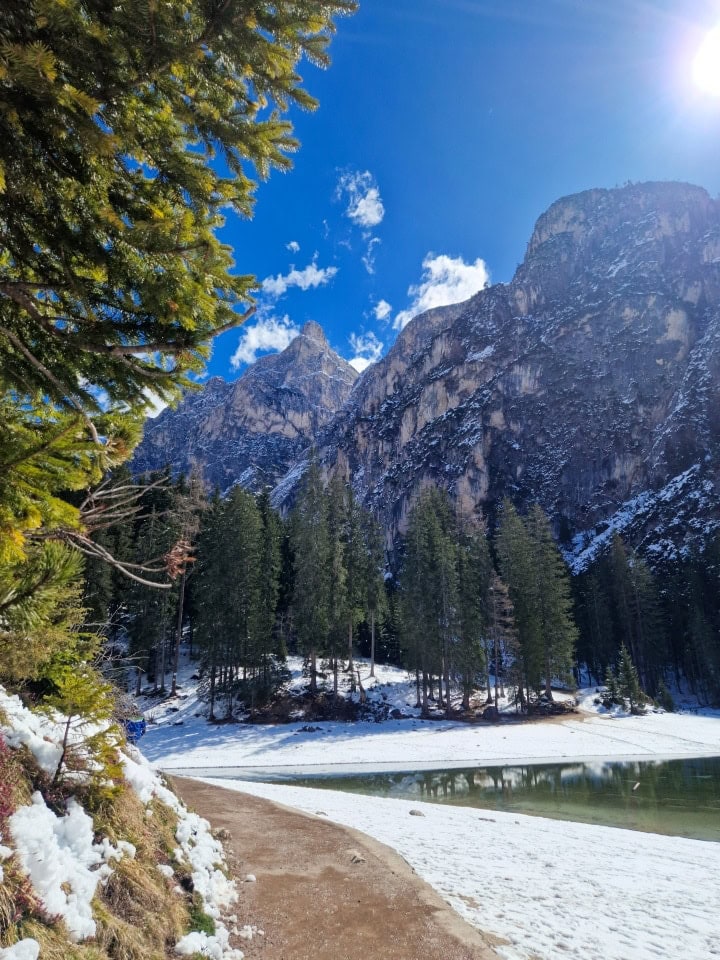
638 620
245 651
515 555
112 274
270 568
628 680
558 631
373 581
312 566
429 588
503 648
339 601
468 655
209 598
356 570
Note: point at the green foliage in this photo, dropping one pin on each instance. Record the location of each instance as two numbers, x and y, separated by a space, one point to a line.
664 698
111 272
474 568
429 588
40 610
90 742
199 920
312 551
234 599
623 684
539 585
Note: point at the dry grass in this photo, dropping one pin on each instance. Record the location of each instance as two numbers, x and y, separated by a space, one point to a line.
139 914
55 943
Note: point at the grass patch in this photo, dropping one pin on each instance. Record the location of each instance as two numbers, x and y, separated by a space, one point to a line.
199 920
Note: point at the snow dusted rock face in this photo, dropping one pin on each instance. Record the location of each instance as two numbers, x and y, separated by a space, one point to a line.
590 383
251 431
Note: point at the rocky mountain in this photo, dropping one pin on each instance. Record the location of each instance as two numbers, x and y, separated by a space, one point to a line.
251 431
590 383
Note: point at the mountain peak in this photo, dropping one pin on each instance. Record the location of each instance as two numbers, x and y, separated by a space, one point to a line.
313 331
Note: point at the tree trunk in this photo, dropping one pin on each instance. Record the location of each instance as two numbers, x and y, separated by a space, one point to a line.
448 702
163 668
425 710
351 666
497 667
313 677
372 643
212 692
548 679
178 636
335 676
418 700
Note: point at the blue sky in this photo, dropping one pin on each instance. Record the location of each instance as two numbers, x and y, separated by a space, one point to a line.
445 128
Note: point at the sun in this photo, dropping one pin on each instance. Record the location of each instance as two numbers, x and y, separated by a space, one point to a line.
706 66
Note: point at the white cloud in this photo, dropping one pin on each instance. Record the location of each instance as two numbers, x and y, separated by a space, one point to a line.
368 258
293 246
265 336
367 349
156 404
365 207
311 276
445 280
382 310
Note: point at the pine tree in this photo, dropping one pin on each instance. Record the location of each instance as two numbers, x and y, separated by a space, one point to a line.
515 555
356 569
312 564
628 680
270 567
242 543
636 606
339 601
209 598
375 597
112 274
552 585
468 655
429 587
504 648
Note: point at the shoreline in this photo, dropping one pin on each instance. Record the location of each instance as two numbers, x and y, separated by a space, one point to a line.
269 773
547 887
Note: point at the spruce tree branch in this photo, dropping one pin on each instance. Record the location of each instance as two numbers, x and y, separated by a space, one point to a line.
40 448
51 378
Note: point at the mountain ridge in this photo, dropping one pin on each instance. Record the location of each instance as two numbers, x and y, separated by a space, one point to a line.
585 383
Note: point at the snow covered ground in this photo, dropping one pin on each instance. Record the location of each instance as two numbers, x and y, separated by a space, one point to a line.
549 888
180 739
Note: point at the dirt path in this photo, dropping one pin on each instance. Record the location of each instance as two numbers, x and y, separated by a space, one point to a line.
325 892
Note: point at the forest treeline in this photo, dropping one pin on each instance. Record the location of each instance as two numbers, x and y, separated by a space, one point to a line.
463 612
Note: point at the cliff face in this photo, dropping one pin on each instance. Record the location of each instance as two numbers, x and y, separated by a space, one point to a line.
252 430
590 383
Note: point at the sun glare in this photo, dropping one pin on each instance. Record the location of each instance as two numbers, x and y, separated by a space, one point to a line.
706 66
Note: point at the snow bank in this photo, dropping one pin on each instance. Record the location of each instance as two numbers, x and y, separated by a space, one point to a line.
62 861
36 732
205 855
23 950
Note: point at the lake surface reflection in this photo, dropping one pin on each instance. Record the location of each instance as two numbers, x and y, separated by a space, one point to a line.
679 797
